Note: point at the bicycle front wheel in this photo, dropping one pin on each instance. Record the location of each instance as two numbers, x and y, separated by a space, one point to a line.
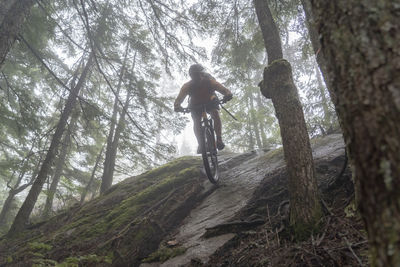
209 154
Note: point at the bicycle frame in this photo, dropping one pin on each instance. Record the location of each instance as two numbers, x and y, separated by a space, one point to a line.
208 144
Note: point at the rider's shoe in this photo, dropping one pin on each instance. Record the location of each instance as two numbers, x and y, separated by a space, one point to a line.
220 144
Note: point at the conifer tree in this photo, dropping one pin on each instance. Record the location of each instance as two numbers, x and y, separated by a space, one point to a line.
13 14
278 85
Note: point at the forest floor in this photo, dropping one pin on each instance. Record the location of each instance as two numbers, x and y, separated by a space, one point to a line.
173 216
340 241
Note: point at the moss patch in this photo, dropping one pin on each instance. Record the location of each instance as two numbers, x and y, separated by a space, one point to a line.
125 220
39 247
86 260
164 254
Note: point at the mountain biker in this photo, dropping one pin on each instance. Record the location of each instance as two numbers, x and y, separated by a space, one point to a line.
201 90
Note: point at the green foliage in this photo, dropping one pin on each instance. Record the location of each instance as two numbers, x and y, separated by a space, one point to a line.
39 247
91 259
43 262
164 254
351 210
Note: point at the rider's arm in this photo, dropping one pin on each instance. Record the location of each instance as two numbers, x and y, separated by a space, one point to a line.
220 88
181 96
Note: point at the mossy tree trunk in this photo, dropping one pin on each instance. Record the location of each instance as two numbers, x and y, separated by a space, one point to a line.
12 16
278 85
24 212
361 43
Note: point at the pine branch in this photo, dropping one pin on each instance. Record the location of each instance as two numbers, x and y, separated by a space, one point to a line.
91 41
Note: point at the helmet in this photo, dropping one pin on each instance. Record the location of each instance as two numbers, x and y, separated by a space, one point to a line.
195 69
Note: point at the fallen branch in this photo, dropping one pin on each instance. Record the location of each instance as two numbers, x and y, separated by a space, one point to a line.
352 245
326 207
352 251
319 240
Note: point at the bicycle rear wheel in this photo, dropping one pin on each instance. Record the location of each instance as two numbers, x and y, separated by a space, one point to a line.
209 154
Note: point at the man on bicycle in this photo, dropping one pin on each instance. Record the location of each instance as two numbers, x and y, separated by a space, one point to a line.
201 90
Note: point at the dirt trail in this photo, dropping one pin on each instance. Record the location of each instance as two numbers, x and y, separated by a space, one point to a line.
239 179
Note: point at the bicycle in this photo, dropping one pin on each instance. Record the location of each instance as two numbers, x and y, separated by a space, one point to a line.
208 144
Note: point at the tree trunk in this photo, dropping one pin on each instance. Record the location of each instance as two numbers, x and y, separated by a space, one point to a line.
262 129
59 166
255 122
110 139
249 129
324 100
12 16
107 161
16 188
272 40
314 37
23 214
278 85
89 185
6 208
107 178
7 204
361 43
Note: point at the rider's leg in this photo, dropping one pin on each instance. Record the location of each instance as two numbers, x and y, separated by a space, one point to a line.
196 116
217 122
218 128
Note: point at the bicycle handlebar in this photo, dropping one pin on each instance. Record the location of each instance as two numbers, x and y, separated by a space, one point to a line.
202 106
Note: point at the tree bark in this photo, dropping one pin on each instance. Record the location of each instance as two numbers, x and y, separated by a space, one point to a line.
305 209
314 37
6 208
361 43
12 16
255 122
89 185
272 40
107 178
262 129
324 100
249 129
110 139
23 214
7 204
107 161
59 166
17 188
